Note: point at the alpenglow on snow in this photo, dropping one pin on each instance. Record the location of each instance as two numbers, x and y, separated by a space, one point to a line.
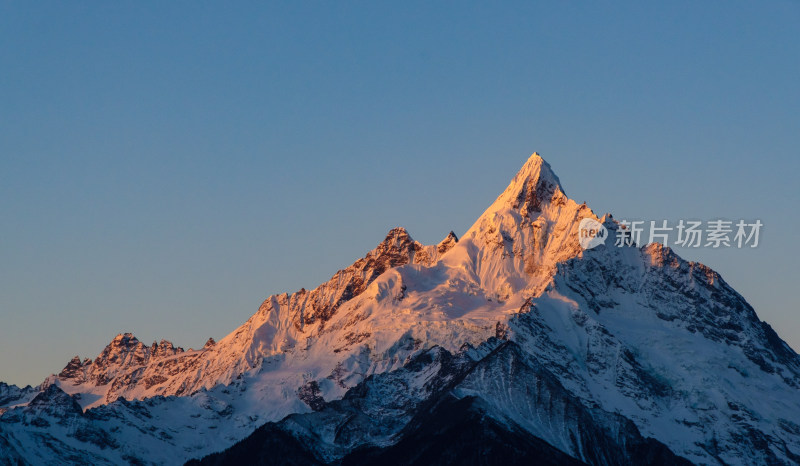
513 332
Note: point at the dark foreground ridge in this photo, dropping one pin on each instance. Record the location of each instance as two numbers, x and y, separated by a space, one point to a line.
381 422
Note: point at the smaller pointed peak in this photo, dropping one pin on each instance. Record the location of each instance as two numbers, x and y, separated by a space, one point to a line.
127 336
56 401
121 341
72 368
210 343
397 232
166 346
397 237
51 391
447 243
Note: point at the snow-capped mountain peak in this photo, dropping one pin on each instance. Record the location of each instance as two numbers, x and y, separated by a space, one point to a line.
518 240
534 184
636 342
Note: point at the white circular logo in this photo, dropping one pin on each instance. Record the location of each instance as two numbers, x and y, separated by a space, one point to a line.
591 233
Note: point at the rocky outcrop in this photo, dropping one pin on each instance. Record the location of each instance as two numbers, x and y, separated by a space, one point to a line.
428 412
610 355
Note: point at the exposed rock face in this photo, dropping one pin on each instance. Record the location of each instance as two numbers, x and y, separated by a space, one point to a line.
54 402
11 395
515 245
447 243
398 248
119 360
73 369
163 349
442 408
611 355
127 367
688 295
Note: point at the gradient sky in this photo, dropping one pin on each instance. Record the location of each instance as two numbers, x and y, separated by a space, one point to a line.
166 166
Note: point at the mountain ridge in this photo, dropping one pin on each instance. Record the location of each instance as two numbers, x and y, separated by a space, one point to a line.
634 332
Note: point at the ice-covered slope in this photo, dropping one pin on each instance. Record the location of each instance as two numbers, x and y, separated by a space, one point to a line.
128 368
510 252
638 332
514 247
11 395
428 412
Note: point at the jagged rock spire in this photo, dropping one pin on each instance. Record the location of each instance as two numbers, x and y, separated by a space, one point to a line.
527 230
532 187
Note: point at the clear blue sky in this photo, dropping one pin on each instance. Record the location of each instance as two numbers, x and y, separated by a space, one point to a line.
166 166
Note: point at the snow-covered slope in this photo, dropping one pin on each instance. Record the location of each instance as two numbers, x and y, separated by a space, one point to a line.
638 333
11 395
128 368
425 413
